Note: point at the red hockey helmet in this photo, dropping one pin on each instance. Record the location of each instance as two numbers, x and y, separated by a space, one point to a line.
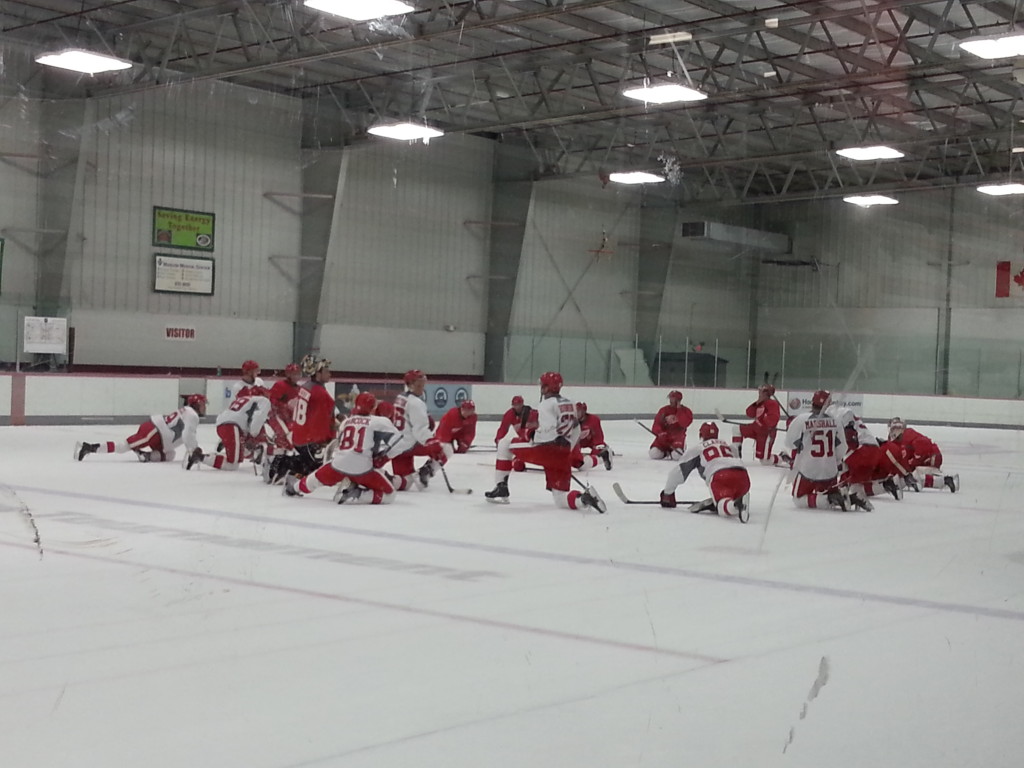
767 388
249 366
196 401
414 375
551 381
364 404
385 409
518 400
709 431
292 369
675 394
468 405
819 399
581 407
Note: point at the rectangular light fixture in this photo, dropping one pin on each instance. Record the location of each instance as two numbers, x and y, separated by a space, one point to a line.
79 60
866 201
663 38
360 10
635 177
1002 189
664 93
1003 47
406 131
869 153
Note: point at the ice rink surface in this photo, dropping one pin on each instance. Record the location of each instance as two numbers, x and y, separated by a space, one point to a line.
177 619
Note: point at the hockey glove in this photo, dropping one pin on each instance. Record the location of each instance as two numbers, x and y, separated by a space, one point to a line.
668 500
380 460
434 449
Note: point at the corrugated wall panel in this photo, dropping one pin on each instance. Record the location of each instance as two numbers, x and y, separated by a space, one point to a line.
409 231
212 148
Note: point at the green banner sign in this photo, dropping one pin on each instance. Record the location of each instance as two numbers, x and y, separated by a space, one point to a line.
179 228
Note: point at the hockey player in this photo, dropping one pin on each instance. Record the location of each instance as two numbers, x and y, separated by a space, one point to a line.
156 438
924 459
313 424
765 413
242 421
551 447
281 395
412 420
724 473
669 428
366 443
513 418
250 379
819 447
457 429
591 441
868 469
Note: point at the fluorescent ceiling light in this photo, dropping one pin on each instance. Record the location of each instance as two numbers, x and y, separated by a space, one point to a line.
1002 189
670 37
870 153
866 201
360 10
406 131
635 177
1016 150
79 60
996 47
664 93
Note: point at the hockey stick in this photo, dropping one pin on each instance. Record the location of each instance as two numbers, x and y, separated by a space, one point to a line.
448 483
720 417
626 500
644 426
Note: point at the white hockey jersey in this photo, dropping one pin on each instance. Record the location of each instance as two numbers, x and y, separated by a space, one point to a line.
363 437
243 387
707 458
848 421
411 417
248 412
819 443
177 428
556 420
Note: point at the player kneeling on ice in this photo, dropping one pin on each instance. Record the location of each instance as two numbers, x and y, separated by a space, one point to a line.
591 440
156 438
457 429
724 473
241 422
366 443
922 458
551 447
820 446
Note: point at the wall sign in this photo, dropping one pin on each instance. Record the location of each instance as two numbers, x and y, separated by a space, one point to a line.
46 335
180 228
182 274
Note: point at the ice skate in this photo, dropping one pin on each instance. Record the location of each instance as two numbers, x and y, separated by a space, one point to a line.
889 485
291 486
860 502
837 500
425 473
340 489
952 482
606 457
349 495
500 493
144 456
196 457
84 449
911 482
591 498
742 507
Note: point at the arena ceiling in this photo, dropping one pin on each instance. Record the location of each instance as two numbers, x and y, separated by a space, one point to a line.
787 82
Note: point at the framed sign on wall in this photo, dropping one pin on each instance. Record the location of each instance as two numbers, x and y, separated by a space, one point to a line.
180 228
183 274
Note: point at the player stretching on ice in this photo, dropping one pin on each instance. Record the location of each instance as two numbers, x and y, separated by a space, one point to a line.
550 447
724 473
156 438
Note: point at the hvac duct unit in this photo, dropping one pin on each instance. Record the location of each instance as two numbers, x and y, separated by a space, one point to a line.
727 234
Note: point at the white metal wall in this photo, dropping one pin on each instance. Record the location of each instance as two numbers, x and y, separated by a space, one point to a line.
408 247
575 299
207 147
